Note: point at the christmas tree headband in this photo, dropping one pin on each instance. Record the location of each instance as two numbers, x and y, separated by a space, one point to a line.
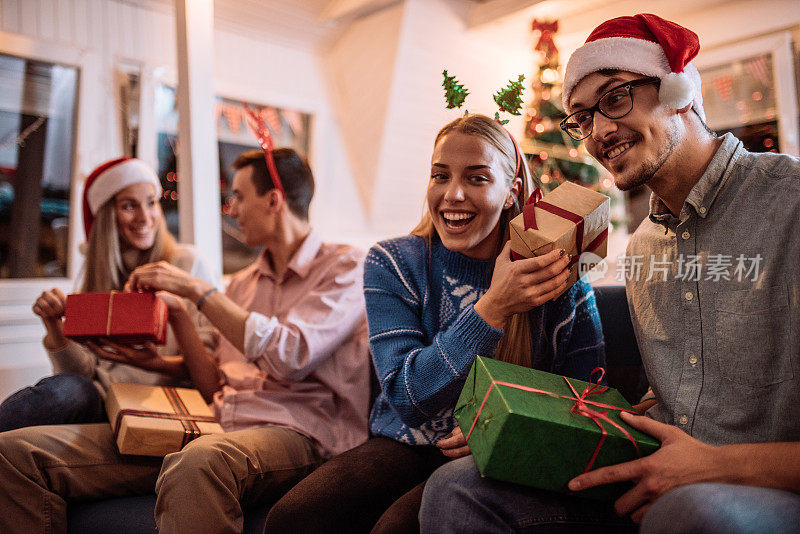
508 99
265 140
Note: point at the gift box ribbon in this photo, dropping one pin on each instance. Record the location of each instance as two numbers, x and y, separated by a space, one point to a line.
110 310
529 221
190 429
580 408
160 325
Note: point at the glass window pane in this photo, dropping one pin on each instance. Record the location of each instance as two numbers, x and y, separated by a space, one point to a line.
37 128
739 93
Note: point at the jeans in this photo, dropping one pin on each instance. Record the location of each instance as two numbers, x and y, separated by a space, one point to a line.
54 400
713 508
457 499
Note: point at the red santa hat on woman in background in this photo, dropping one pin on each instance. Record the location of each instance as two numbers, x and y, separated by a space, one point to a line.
645 44
109 179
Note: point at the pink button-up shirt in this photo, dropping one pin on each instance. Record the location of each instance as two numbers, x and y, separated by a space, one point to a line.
306 359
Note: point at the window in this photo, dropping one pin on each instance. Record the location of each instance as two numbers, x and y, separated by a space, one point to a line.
37 130
289 129
739 97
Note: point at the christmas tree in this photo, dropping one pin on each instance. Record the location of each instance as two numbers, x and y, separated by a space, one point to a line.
553 155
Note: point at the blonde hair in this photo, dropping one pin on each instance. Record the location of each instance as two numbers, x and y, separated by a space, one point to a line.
516 344
105 269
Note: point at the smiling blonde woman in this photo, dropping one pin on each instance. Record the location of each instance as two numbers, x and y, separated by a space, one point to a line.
436 299
125 228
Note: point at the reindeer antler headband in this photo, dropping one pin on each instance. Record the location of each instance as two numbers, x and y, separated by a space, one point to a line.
508 99
265 140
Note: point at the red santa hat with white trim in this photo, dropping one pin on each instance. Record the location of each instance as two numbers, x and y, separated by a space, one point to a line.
109 179
645 44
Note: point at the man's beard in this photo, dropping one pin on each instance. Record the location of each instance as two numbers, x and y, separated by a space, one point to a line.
650 168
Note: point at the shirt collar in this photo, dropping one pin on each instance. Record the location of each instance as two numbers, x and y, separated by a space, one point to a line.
300 263
705 191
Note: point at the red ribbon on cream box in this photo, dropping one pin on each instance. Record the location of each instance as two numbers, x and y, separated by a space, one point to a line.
157 420
571 217
129 318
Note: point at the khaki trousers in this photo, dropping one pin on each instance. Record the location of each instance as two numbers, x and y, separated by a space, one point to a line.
200 489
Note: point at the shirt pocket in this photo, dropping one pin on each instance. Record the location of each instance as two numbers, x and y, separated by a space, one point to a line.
752 330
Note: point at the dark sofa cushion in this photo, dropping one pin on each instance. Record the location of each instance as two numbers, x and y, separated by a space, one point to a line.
623 362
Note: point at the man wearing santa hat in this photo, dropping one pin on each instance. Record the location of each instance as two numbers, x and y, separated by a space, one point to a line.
720 342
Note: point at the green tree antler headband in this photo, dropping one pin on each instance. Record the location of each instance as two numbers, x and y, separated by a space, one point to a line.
508 99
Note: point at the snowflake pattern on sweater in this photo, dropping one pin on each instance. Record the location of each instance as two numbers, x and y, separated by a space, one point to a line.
425 334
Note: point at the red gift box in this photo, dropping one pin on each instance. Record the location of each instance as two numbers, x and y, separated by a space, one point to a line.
129 318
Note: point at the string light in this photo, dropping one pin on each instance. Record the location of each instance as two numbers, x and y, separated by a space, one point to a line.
549 75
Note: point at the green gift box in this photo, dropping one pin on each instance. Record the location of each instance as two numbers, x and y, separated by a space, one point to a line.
526 426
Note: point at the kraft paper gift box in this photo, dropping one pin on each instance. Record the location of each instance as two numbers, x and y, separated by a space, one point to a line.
528 430
571 217
157 420
128 318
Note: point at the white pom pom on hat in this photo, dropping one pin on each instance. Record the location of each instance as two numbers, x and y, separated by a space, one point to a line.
109 179
645 44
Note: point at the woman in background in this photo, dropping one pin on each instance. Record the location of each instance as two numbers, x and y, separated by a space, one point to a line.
125 228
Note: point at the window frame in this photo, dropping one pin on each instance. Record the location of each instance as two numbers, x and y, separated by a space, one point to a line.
779 46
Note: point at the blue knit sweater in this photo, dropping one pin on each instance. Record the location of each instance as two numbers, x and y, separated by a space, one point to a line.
425 334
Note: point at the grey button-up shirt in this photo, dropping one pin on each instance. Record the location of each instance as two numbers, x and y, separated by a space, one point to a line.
714 295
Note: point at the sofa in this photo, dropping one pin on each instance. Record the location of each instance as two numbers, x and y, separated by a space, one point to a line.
134 515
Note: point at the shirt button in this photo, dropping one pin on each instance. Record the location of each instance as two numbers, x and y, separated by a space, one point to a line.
702 209
693 359
689 295
683 420
686 235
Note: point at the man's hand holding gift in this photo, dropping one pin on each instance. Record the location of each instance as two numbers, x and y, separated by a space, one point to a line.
681 460
163 276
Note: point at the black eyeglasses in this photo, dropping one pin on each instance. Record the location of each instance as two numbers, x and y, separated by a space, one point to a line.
613 104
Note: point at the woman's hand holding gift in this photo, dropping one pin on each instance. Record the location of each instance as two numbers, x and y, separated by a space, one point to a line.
454 445
50 308
146 357
163 276
518 286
